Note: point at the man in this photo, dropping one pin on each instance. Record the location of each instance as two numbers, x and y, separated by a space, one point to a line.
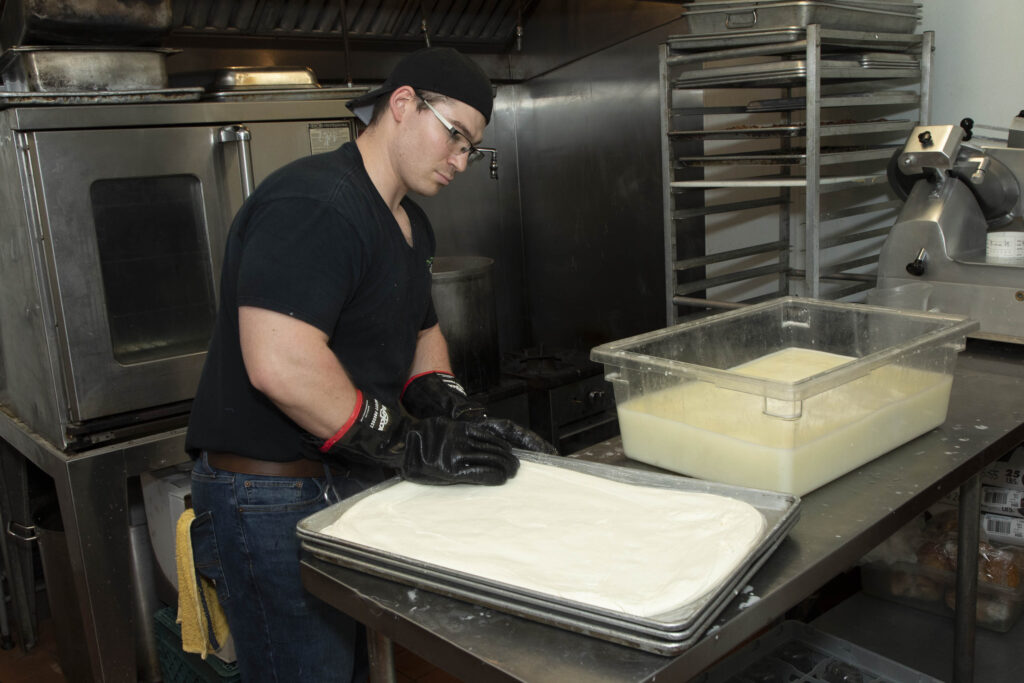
327 371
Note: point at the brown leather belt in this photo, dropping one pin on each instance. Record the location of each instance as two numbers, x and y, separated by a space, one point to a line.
232 462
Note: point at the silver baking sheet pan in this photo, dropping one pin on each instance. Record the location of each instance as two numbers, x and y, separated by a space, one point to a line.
277 94
791 71
631 638
780 512
716 41
579 617
848 100
649 640
677 625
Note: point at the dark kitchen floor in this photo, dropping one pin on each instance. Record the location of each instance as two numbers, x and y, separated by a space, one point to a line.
40 665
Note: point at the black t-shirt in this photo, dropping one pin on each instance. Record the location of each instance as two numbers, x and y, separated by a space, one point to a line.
315 241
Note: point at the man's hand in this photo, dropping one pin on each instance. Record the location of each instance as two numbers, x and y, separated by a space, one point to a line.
440 394
435 450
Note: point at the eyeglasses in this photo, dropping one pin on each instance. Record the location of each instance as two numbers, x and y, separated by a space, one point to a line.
472 152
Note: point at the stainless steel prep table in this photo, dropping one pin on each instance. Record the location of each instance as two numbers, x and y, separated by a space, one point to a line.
93 492
839 523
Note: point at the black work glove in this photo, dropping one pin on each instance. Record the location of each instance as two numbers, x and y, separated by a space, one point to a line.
436 450
434 394
440 394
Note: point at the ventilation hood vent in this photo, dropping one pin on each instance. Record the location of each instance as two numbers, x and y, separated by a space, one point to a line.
487 24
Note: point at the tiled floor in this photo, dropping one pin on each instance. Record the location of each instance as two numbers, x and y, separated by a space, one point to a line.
40 665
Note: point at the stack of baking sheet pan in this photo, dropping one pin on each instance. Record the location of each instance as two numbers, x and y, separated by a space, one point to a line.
792 72
714 16
667 633
887 60
790 34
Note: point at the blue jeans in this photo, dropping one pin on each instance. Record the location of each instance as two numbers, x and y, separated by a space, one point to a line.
244 540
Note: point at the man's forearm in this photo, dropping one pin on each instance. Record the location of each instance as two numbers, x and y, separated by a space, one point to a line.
431 352
289 362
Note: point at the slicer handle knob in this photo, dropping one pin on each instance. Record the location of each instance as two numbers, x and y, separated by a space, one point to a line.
925 138
917 266
968 125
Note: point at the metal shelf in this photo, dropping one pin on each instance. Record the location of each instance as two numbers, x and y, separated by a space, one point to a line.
832 69
794 157
788 73
829 102
796 130
686 214
833 183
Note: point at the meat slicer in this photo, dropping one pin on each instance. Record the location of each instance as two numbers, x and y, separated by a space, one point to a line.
948 249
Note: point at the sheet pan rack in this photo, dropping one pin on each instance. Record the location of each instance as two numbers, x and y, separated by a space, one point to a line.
786 121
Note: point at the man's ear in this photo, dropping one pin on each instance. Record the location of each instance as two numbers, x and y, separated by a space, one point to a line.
401 102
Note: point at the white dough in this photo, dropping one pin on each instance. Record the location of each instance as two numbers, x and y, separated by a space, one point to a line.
633 549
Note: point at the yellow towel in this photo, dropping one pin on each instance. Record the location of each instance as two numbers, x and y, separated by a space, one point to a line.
204 628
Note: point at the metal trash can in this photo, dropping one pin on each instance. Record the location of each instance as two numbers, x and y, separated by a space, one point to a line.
463 292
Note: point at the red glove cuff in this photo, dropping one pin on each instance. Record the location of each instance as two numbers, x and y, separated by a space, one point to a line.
422 374
345 427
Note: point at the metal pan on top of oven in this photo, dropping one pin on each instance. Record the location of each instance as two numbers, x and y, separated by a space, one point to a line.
52 68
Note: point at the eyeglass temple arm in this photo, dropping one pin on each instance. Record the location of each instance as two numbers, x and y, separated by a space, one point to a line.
494 160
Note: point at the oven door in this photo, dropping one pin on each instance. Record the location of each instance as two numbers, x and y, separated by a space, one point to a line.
133 223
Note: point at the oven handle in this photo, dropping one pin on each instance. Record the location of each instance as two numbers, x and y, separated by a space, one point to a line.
240 134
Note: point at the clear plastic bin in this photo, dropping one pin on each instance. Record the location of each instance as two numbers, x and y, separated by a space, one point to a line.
934 590
708 399
793 651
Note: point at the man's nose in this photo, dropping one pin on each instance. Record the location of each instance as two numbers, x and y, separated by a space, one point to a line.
458 161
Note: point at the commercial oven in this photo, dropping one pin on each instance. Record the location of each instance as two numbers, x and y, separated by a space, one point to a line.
113 220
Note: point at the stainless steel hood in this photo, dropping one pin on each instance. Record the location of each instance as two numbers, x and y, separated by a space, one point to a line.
484 23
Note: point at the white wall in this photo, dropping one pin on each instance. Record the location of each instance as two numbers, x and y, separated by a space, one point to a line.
979 61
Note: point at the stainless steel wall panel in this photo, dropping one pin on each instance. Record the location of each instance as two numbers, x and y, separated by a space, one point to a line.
589 157
557 33
480 216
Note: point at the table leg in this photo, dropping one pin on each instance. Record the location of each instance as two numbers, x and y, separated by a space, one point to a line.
94 507
967 581
382 657
16 513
